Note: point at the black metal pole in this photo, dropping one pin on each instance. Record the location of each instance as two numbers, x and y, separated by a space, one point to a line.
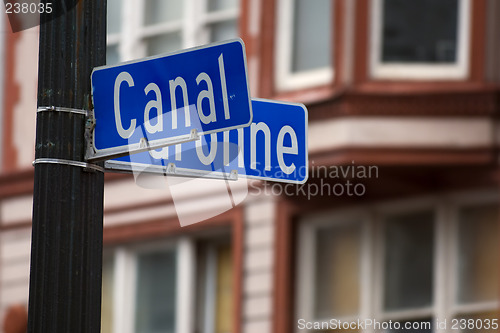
66 251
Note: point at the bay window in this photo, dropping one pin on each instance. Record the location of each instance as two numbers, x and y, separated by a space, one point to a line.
405 262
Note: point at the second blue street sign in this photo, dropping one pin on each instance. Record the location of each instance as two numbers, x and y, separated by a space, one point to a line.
273 147
164 100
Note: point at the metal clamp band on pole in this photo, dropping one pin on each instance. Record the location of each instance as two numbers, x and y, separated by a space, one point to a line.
67 162
62 109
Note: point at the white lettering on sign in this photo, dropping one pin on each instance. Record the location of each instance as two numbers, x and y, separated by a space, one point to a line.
241 162
123 76
206 94
256 129
225 139
212 150
154 103
222 73
209 94
173 84
163 153
281 149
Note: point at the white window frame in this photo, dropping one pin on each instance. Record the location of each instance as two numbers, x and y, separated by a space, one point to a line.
405 207
455 309
446 210
408 71
192 26
125 284
208 318
210 292
285 78
202 34
305 270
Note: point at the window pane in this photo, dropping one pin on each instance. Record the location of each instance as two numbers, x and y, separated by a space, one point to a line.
337 271
423 31
224 288
214 5
223 30
478 254
164 43
114 16
159 11
311 35
155 298
408 260
214 293
112 55
107 296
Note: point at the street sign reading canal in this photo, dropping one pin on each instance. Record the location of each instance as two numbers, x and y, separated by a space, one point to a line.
160 101
273 147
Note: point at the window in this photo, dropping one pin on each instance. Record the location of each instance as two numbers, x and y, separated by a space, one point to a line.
215 283
330 269
337 270
476 263
155 291
423 39
402 262
172 286
107 295
140 28
304 56
407 273
114 31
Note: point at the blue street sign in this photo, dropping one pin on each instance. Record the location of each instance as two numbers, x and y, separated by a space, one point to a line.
273 147
164 100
